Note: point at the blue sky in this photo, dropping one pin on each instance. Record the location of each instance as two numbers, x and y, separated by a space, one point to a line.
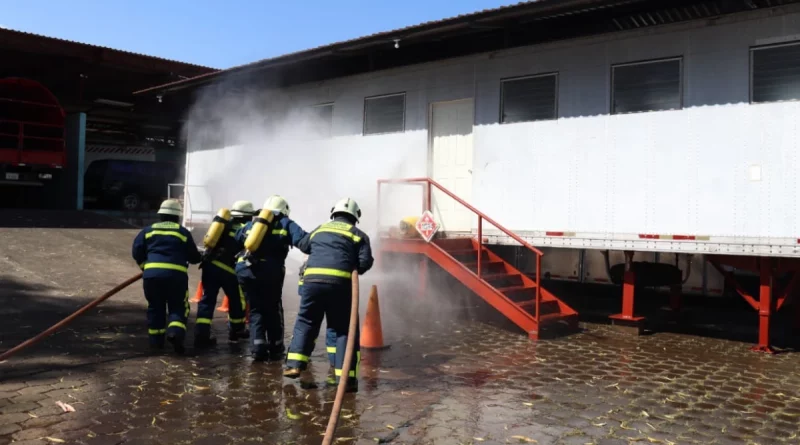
207 33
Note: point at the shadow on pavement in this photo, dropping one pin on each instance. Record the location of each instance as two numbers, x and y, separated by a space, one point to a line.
66 219
112 331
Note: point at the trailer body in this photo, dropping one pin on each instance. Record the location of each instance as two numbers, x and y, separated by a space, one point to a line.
715 174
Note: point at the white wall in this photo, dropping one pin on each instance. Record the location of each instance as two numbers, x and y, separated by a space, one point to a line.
679 172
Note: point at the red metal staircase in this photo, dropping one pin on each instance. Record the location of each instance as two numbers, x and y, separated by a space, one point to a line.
516 295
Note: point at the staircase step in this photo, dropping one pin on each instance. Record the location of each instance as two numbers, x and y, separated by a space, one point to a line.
552 318
487 267
468 255
518 293
454 243
504 280
545 307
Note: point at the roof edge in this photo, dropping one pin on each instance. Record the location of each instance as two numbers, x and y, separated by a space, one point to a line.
106 48
530 6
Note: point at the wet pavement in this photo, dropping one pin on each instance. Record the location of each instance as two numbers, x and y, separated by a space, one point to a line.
450 378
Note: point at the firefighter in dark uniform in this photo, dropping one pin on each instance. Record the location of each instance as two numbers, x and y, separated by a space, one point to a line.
330 335
164 251
219 273
261 276
335 250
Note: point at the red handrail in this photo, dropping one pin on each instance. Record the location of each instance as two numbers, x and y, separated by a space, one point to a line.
465 204
481 217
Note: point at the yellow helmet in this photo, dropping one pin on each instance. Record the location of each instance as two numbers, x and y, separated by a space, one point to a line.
170 207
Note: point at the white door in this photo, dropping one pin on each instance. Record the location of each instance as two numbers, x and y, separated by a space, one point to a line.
451 163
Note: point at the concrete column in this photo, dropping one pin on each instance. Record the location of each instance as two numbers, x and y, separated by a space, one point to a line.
72 195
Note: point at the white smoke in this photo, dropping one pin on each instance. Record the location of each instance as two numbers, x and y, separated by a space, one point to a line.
273 146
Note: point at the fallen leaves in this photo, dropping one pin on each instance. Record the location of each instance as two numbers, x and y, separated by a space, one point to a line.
389 426
291 415
55 440
524 439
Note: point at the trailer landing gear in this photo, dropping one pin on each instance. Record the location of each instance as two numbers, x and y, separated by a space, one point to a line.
767 305
627 321
632 274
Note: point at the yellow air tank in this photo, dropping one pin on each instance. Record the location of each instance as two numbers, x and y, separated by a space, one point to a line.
218 225
408 227
262 223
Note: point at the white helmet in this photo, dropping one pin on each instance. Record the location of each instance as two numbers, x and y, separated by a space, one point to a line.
346 205
276 203
242 208
170 207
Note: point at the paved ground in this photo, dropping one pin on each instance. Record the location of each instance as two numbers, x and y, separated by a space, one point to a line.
449 376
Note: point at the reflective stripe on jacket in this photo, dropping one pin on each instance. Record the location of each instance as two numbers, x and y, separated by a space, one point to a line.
336 249
163 249
224 255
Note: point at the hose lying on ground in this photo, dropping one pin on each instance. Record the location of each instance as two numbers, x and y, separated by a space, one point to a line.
64 322
348 357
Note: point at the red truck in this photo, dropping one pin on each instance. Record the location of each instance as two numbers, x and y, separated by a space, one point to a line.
32 142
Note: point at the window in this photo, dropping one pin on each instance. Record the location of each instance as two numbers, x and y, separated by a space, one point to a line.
775 73
528 99
322 120
646 86
385 114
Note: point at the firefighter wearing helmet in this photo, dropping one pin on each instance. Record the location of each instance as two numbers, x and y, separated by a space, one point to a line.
335 249
219 273
261 273
164 251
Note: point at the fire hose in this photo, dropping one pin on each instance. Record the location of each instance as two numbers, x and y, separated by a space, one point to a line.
64 322
348 357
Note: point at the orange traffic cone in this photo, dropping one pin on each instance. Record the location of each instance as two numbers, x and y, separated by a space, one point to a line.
372 331
224 306
198 295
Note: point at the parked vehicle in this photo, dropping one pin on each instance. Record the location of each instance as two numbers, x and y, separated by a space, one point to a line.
127 185
32 147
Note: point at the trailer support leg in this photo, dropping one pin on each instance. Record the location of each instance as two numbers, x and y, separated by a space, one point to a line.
675 298
627 320
766 305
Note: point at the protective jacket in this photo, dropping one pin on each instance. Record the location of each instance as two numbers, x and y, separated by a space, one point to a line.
164 249
335 249
224 254
275 247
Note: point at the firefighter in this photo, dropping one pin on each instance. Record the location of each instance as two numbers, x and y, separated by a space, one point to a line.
335 249
218 272
330 335
164 251
261 276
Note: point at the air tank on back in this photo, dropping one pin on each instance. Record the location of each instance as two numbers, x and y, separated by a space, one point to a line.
217 228
260 227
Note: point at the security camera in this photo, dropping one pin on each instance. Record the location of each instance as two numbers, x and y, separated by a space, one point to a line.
159 97
397 43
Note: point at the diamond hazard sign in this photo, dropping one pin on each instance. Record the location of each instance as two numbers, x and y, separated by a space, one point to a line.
427 226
